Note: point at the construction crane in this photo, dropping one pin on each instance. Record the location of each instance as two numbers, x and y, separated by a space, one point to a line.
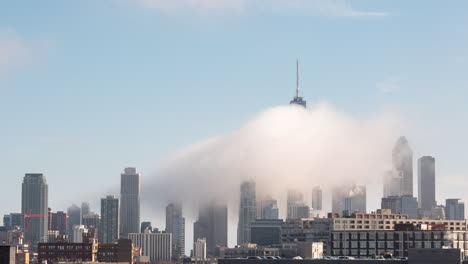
27 225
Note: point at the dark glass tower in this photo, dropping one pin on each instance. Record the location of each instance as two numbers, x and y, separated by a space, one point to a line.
247 211
129 202
34 207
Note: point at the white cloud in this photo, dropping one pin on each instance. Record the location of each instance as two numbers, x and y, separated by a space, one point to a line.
14 52
328 8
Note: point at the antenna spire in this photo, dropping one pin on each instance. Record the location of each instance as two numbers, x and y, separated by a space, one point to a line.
297 78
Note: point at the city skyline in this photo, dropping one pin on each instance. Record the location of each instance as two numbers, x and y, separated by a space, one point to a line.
65 99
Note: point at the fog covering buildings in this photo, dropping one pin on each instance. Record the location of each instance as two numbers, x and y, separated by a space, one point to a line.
247 211
212 225
403 165
175 224
35 201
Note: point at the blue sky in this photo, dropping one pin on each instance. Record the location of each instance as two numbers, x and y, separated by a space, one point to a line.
90 87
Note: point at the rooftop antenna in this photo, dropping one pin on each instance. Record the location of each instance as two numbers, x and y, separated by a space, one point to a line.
297 78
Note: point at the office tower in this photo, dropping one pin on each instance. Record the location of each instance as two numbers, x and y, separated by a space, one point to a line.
298 100
266 232
92 220
13 220
34 207
438 212
393 203
199 250
78 232
403 165
85 209
317 198
356 199
247 211
130 201
212 225
157 246
267 208
109 231
74 218
175 224
392 184
59 222
426 183
295 198
145 227
454 209
409 206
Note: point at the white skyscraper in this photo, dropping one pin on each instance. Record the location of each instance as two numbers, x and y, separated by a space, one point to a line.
403 165
199 250
157 246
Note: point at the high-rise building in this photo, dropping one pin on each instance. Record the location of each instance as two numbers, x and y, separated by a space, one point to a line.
74 218
247 211
392 184
109 231
426 183
393 203
78 232
157 246
85 209
298 100
409 206
267 208
454 209
92 220
145 226
356 199
294 199
406 204
175 224
317 198
212 224
199 250
130 202
403 165
13 220
266 232
34 202
59 222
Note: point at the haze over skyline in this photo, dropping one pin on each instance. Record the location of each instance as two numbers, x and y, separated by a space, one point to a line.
91 87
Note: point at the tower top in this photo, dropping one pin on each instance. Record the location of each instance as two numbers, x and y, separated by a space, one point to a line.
297 78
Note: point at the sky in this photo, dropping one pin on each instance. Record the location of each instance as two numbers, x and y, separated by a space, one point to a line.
89 87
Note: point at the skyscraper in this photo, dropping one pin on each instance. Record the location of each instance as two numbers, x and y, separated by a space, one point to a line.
298 100
212 224
34 201
109 231
74 218
247 211
59 222
392 184
85 209
130 202
454 209
295 198
175 224
267 208
157 246
426 183
403 165
317 198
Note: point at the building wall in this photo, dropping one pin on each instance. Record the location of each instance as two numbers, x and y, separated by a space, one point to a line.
426 183
109 231
157 246
129 202
35 201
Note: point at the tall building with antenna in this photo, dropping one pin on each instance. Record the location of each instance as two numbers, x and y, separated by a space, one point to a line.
298 99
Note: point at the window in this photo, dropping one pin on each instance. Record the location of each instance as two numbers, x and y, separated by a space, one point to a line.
363 244
354 244
381 244
390 244
362 236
